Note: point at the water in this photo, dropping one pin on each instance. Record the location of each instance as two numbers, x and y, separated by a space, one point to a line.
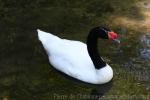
25 73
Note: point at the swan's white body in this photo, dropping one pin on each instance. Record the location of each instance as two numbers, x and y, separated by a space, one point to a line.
72 58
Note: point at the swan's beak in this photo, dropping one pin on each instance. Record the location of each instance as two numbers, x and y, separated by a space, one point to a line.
116 40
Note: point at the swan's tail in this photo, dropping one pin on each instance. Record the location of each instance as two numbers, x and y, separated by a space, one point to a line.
45 37
42 35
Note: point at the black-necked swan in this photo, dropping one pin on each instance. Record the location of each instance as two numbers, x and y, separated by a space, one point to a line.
77 59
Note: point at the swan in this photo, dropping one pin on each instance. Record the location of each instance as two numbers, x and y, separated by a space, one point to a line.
77 59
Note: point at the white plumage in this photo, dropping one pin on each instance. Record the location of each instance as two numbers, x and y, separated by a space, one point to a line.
72 58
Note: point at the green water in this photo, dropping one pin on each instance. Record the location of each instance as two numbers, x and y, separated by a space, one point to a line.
25 73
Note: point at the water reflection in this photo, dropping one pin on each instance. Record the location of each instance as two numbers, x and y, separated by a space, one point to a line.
145 51
97 90
100 90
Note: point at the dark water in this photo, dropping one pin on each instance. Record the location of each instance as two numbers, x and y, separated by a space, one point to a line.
25 73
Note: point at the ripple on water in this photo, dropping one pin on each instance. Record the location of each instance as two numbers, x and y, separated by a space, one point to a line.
145 51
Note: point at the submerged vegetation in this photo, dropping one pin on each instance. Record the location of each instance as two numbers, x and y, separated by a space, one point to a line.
24 69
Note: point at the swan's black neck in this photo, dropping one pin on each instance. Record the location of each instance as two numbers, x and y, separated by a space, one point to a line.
93 50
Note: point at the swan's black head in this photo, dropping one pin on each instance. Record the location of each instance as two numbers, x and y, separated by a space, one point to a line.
95 33
104 33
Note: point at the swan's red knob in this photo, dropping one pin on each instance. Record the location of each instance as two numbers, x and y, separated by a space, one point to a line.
112 35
